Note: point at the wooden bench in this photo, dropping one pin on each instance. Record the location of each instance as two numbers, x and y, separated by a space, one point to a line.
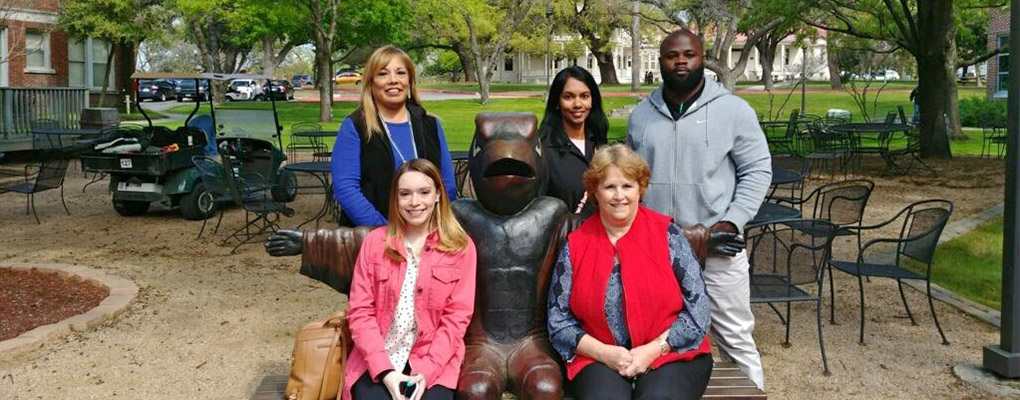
727 382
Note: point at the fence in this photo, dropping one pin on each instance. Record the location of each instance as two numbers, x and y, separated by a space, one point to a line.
20 106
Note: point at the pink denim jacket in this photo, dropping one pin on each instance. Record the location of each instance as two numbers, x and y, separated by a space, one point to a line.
443 303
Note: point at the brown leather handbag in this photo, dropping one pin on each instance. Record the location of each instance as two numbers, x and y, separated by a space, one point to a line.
320 353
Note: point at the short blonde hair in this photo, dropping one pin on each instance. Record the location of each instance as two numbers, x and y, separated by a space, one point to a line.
620 156
379 59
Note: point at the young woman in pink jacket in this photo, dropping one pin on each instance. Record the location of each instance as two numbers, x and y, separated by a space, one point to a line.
412 295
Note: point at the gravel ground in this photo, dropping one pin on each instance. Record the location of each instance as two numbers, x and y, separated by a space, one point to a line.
210 325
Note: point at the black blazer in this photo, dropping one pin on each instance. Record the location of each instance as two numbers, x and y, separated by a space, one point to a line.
566 165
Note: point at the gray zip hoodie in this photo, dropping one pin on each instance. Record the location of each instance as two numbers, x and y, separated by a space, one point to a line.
711 165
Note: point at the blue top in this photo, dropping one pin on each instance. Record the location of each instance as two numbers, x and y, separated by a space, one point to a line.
346 167
686 333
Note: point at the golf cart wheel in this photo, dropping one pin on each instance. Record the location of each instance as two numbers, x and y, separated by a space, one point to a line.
199 204
130 208
286 190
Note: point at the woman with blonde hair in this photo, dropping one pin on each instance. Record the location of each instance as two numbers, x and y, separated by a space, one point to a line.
627 306
389 128
412 295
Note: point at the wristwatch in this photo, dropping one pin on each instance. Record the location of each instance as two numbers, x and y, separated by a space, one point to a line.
663 346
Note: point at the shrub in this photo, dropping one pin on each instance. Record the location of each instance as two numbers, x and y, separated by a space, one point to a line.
976 112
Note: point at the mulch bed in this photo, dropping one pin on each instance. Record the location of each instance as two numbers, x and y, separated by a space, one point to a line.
32 298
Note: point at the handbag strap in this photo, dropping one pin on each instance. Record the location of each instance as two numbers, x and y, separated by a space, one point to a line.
337 337
343 360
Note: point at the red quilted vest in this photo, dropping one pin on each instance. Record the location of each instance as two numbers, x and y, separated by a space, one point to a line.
652 297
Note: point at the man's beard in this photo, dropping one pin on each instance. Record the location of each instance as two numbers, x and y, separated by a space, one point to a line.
682 85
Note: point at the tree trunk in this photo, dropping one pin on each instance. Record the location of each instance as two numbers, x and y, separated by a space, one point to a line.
483 86
122 71
607 68
268 57
834 79
106 79
464 54
766 72
767 59
635 47
729 79
954 129
935 20
324 79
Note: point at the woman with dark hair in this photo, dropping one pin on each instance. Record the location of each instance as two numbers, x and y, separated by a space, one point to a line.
573 126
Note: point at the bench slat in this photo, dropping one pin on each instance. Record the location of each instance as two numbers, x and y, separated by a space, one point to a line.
727 382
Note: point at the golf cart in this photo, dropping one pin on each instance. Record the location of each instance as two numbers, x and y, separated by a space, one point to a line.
155 164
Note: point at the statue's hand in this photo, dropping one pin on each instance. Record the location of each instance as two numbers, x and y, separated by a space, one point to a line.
285 243
725 244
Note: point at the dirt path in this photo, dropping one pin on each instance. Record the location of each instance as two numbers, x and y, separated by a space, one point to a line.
209 325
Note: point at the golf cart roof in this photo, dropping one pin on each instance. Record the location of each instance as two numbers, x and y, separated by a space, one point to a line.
196 75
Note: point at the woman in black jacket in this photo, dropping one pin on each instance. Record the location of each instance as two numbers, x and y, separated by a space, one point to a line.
573 126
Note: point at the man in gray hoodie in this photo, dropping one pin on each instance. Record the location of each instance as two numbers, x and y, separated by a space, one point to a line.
710 165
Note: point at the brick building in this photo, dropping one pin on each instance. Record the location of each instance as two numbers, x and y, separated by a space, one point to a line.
34 53
998 66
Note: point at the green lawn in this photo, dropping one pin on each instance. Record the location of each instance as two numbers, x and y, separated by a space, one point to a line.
971 265
458 116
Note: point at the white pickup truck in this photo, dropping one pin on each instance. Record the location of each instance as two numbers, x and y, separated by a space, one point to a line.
244 89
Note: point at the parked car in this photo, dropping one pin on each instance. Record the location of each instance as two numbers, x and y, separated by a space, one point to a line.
302 80
186 89
348 78
885 75
244 89
155 90
282 90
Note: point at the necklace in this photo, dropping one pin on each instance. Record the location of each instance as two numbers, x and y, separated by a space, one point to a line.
414 146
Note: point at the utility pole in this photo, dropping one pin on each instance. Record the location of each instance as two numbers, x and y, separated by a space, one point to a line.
1004 359
803 80
635 47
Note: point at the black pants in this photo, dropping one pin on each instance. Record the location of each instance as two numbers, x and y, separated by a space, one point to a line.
674 381
365 389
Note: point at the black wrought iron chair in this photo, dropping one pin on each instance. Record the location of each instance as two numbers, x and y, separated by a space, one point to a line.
923 223
792 187
213 179
842 203
992 135
261 212
826 150
782 137
47 174
787 266
44 141
300 143
911 152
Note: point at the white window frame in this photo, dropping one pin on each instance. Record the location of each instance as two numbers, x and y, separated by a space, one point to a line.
1001 92
4 66
47 67
90 62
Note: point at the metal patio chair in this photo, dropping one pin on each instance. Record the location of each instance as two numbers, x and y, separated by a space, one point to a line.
788 265
44 175
923 223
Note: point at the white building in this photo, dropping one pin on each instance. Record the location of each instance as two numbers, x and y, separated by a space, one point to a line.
521 67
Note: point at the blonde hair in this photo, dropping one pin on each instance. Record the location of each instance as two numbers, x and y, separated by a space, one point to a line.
452 237
620 156
379 59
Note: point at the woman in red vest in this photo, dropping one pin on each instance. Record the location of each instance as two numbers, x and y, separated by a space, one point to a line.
628 311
